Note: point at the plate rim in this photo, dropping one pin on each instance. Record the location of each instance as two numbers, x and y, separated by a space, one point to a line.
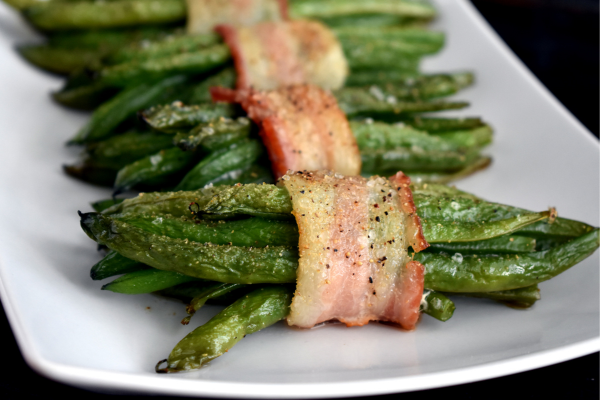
122 381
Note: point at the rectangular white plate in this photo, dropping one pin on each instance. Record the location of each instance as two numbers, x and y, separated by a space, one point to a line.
71 331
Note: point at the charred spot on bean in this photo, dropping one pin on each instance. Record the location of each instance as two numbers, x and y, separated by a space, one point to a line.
328 266
376 205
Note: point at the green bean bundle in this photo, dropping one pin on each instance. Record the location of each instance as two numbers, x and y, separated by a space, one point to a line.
240 242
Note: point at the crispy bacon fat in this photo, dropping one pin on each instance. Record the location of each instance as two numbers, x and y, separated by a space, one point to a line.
205 15
354 263
273 54
301 126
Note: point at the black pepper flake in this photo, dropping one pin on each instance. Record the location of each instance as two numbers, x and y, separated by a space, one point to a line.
377 218
386 213
328 248
335 250
374 293
371 246
302 191
327 265
370 280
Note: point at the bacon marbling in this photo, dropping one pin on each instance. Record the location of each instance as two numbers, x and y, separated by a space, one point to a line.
205 15
301 126
273 54
354 263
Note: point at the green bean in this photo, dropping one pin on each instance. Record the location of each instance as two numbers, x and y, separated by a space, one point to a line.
185 292
108 40
211 292
420 88
238 156
112 113
500 244
437 305
380 136
445 177
195 62
251 313
369 20
325 9
53 16
157 169
173 203
455 206
477 137
249 232
118 151
560 228
228 264
60 60
146 281
434 125
267 201
384 54
382 162
428 191
91 174
114 264
177 117
490 273
516 298
214 135
253 174
357 102
362 58
409 68
86 97
546 243
168 46
102 205
439 231
391 33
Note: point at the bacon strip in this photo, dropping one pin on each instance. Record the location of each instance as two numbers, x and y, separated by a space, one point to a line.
273 54
354 263
412 220
301 126
205 15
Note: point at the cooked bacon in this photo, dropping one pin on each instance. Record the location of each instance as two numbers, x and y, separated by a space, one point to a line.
354 264
301 126
412 220
205 15
273 54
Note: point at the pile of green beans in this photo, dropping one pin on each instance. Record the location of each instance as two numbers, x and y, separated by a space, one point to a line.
239 244
140 63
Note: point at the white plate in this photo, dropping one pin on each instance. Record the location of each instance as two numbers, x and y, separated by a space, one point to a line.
71 331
